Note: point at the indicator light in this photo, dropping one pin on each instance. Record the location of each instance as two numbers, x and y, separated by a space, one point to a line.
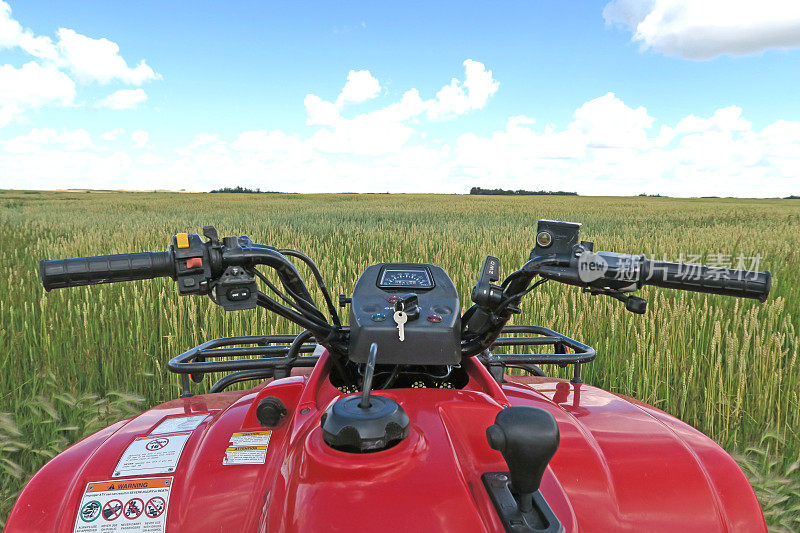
378 317
544 239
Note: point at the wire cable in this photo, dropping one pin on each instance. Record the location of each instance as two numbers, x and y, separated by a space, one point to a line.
320 281
501 307
321 329
275 289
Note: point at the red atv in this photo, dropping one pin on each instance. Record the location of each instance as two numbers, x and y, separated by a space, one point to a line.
402 421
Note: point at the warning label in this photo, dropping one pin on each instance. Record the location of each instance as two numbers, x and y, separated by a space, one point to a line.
245 455
152 455
179 423
251 438
130 505
247 448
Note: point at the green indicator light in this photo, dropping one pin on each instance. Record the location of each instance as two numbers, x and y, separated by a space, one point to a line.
378 317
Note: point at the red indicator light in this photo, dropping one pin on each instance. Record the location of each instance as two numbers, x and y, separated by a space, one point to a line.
393 299
435 318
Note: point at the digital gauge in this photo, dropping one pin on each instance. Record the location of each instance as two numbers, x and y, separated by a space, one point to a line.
405 278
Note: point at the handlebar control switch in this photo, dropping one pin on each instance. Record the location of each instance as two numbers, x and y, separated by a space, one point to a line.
192 265
236 290
484 293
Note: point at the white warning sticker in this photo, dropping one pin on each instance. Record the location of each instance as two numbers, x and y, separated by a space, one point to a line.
179 423
251 438
152 455
129 505
247 448
245 455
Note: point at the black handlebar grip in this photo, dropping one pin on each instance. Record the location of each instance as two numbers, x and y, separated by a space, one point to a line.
701 278
60 273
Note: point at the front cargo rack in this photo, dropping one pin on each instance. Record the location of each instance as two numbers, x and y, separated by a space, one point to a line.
193 364
279 354
496 363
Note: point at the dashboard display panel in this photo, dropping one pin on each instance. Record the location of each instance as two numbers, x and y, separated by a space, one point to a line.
405 278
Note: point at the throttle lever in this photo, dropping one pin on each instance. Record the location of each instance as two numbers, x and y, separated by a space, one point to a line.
634 304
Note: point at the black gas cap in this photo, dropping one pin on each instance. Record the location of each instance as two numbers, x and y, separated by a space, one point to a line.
270 411
365 423
348 427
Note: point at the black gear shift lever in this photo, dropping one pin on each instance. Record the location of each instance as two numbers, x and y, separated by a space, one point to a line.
528 438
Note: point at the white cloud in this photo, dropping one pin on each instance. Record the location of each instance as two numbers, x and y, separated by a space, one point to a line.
320 112
703 29
32 86
140 139
360 87
43 82
458 98
520 120
608 122
606 147
112 135
40 140
272 145
98 60
123 99
719 155
366 134
725 119
12 35
89 60
390 128
10 29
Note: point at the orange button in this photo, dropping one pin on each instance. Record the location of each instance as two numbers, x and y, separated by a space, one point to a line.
194 262
182 240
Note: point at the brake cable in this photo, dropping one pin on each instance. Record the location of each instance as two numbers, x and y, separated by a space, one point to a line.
320 281
260 275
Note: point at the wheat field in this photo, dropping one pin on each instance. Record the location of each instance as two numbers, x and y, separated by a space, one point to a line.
72 361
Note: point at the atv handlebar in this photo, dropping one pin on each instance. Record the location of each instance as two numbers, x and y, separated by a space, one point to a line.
701 278
560 255
225 270
61 273
614 273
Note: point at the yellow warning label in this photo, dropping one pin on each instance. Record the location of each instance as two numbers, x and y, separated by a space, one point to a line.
251 438
247 448
245 455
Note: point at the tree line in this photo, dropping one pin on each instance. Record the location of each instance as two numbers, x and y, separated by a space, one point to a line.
518 192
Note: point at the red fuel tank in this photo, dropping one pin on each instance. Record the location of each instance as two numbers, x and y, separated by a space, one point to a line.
205 464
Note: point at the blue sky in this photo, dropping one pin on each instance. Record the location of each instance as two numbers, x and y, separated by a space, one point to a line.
223 96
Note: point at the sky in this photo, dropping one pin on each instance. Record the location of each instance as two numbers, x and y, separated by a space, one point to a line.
622 97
